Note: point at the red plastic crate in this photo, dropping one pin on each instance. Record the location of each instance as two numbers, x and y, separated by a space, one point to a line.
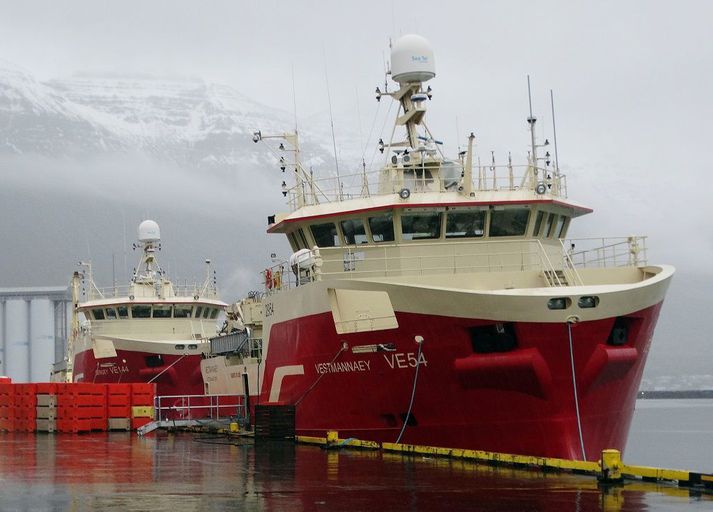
7 388
119 411
142 393
118 400
26 389
118 389
7 400
100 424
73 426
47 388
7 424
139 422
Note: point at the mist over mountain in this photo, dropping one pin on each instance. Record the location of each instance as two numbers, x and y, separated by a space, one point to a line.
85 159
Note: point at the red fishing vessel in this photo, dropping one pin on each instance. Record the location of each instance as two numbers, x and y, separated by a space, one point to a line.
439 302
148 331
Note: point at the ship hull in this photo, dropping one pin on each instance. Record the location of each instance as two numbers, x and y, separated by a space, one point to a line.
521 400
178 378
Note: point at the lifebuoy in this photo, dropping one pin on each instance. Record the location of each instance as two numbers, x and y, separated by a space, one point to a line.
268 278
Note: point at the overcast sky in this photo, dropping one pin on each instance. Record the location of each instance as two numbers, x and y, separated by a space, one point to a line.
633 83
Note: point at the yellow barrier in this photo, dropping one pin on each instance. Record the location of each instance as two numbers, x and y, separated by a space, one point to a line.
610 469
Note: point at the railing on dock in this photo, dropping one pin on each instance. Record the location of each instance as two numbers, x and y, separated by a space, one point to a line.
192 407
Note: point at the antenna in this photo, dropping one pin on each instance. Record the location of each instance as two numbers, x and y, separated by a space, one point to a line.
531 121
554 132
331 122
294 96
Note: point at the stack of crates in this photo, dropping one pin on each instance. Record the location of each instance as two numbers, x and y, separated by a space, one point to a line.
46 410
25 407
7 407
74 407
118 401
142 397
82 408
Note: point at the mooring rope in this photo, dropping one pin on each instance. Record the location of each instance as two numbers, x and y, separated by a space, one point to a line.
413 390
341 349
574 387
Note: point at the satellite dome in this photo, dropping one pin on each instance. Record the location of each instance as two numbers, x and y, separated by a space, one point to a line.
412 59
149 231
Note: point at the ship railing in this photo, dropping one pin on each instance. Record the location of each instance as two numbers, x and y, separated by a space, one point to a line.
606 252
194 290
189 407
434 258
391 179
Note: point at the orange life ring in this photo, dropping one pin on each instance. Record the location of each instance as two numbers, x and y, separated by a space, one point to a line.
268 278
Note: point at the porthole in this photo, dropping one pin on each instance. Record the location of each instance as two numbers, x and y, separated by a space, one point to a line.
588 301
559 303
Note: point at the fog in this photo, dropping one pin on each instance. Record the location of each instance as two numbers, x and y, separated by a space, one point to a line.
631 84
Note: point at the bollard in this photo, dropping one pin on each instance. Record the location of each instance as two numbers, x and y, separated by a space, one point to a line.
611 467
332 437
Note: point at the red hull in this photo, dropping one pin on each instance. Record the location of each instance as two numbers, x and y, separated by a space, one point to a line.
171 377
520 401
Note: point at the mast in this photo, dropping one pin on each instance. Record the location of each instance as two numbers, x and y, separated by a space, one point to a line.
531 120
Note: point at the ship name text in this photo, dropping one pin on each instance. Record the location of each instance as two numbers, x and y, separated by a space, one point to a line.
346 366
403 360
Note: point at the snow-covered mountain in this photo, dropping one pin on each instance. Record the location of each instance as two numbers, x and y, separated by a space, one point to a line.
183 121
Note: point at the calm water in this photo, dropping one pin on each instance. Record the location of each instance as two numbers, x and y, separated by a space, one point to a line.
121 472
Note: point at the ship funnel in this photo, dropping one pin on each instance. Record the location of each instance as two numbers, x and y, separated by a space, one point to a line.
149 232
412 59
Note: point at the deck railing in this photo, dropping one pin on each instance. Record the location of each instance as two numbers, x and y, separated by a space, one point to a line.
386 260
486 178
188 290
606 252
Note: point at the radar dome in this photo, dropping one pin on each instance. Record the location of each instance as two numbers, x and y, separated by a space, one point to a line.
412 59
149 231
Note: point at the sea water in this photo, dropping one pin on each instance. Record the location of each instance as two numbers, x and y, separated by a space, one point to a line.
120 471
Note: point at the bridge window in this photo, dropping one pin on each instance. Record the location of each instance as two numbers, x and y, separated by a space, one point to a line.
181 311
538 224
354 231
424 225
98 314
141 311
123 311
325 235
548 224
110 314
559 225
465 224
199 311
214 313
382 228
292 238
563 228
206 312
552 226
301 239
510 222
161 311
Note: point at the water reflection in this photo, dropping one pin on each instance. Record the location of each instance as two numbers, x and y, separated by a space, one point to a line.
182 472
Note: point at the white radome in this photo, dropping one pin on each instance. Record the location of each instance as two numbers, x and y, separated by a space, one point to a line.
412 59
149 231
